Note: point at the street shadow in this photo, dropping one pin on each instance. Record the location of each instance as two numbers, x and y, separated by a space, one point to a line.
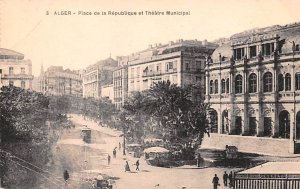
145 171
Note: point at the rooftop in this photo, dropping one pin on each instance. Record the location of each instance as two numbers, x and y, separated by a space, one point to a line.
287 34
10 54
275 168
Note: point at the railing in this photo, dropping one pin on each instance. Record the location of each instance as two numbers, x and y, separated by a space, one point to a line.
267 181
17 76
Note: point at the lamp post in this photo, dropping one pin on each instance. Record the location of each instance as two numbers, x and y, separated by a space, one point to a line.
124 152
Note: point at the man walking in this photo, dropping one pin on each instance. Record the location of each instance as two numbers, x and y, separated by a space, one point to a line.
108 159
137 164
127 168
66 177
215 181
225 178
115 153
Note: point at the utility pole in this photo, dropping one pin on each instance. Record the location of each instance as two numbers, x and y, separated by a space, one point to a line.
124 125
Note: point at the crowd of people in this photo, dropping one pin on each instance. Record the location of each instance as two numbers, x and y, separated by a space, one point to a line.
127 167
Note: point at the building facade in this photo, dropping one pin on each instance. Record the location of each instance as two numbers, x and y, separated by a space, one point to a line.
96 76
58 81
120 82
253 86
181 62
14 69
107 91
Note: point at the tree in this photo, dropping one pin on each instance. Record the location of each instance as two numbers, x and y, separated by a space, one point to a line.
181 121
26 126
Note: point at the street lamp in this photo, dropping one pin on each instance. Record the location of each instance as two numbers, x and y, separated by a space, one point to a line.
124 152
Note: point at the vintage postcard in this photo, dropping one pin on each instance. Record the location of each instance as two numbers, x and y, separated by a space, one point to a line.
146 94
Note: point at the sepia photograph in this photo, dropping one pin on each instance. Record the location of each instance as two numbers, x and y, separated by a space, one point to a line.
148 94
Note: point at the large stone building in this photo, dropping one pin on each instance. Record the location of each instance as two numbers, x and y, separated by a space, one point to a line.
98 75
57 81
181 62
253 87
120 82
14 70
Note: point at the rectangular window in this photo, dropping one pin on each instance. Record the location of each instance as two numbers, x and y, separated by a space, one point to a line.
22 70
187 65
198 65
23 84
175 65
158 67
11 70
11 82
0 71
170 65
267 49
132 72
252 51
239 53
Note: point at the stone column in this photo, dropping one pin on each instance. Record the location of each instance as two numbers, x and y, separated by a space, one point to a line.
231 115
245 121
292 131
260 125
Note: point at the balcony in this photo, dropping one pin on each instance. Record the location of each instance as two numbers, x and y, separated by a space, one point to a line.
285 96
16 76
155 58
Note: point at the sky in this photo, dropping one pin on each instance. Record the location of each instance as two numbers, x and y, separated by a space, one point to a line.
76 41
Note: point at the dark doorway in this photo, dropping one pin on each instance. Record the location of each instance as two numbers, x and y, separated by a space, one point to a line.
298 126
252 126
225 122
213 121
267 126
284 124
238 125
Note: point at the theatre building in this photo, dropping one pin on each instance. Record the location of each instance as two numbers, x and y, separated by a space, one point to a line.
253 87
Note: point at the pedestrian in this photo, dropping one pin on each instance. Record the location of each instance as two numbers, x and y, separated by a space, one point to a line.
127 168
225 178
215 181
120 146
230 178
198 159
114 153
108 159
66 177
137 164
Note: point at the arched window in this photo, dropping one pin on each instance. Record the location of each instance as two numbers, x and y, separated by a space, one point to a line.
216 87
297 83
268 82
238 84
23 84
252 83
288 82
227 85
223 86
280 82
211 87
